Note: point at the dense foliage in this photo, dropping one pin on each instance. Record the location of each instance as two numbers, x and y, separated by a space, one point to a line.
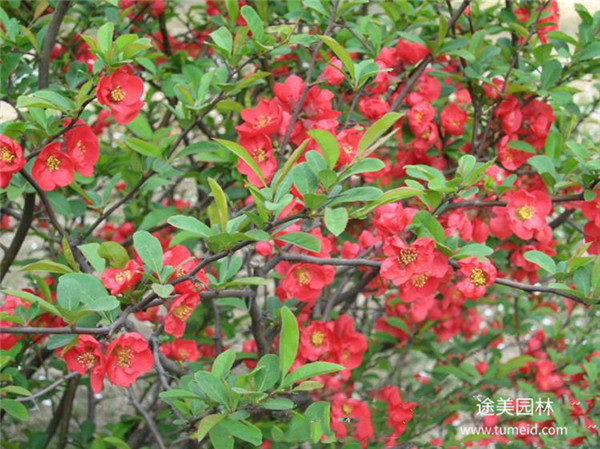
290 224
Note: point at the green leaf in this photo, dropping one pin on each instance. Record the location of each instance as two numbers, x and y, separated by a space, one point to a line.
341 53
541 260
288 341
223 363
189 224
211 386
90 251
220 437
46 99
223 38
34 299
473 249
14 409
245 431
591 51
428 226
513 364
376 130
267 372
207 423
145 148
116 442
149 249
311 370
551 72
81 288
47 266
336 220
521 146
254 22
243 154
301 240
220 201
328 144
105 36
278 404
114 254
15 389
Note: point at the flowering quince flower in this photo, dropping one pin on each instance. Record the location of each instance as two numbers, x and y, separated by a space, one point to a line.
373 108
82 147
127 358
418 262
181 309
305 281
511 158
261 150
121 91
453 120
411 52
53 168
419 117
591 209
592 235
392 218
87 355
398 411
477 276
120 280
348 140
262 120
427 88
351 345
527 212
343 407
180 258
181 350
333 73
289 92
11 159
317 340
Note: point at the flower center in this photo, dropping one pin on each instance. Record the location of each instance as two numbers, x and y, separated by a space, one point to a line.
478 277
6 155
317 338
87 359
420 280
124 275
303 276
182 312
525 212
347 409
124 357
347 149
117 94
260 155
180 272
53 163
262 121
81 147
406 256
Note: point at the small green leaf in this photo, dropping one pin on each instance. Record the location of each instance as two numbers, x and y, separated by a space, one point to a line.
211 386
220 201
550 73
14 409
336 220
254 22
105 36
288 341
301 240
311 370
428 226
114 254
149 249
207 423
341 53
541 260
473 249
223 38
243 154
328 144
189 224
223 363
47 266
376 130
278 404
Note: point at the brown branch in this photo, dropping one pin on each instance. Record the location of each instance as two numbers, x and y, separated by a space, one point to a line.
149 421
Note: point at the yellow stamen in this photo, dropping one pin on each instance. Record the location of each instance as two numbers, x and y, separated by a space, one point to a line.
478 277
117 94
525 212
317 338
53 163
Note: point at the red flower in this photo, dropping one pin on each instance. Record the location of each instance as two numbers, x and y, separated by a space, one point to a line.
419 117
128 357
333 73
52 168
181 309
87 355
181 350
264 119
406 262
453 120
305 281
180 258
477 276
316 340
398 411
11 159
121 91
289 92
348 141
358 411
527 212
82 147
120 280
261 150
373 108
411 52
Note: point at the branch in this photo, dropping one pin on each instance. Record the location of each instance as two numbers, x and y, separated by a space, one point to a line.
149 421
